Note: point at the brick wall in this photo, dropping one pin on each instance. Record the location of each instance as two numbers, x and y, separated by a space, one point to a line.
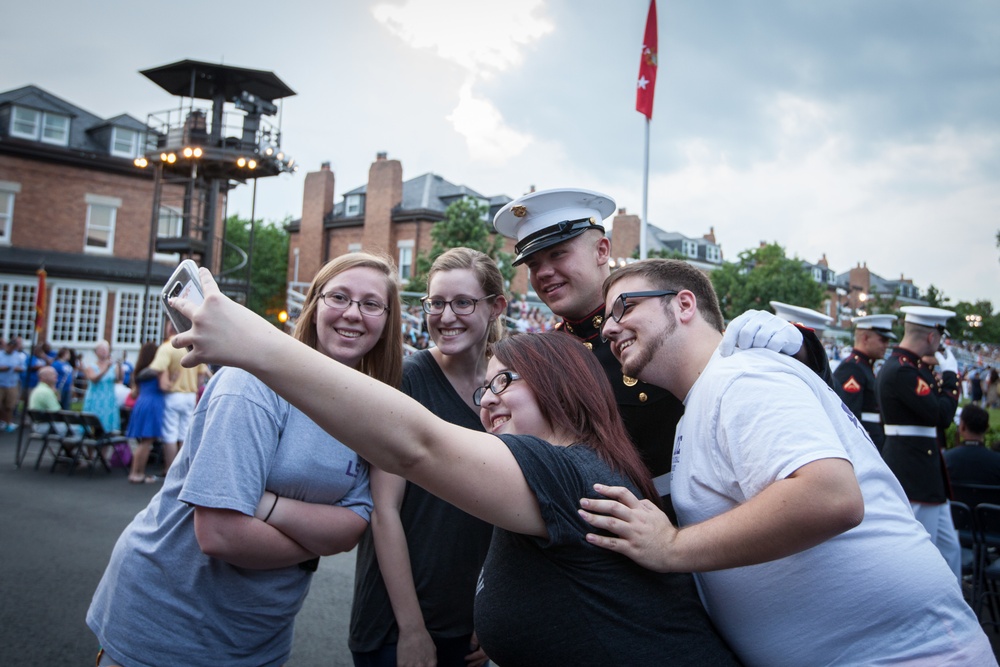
317 202
385 192
50 211
625 239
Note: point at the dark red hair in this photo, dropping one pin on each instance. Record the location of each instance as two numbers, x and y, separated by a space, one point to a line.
575 396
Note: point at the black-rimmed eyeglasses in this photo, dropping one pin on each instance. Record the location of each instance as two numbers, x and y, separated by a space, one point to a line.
340 301
623 303
463 305
499 382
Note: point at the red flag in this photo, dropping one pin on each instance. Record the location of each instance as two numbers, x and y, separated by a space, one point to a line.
40 301
647 66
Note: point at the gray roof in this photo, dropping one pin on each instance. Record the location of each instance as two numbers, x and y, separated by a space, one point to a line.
82 122
429 192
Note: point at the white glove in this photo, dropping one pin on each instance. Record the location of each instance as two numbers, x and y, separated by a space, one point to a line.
947 361
759 328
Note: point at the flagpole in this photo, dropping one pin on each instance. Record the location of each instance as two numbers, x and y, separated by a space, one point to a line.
645 197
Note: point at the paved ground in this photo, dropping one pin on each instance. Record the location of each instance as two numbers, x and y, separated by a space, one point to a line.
56 534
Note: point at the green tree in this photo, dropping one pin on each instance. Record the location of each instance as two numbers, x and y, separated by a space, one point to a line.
466 225
762 275
936 298
269 263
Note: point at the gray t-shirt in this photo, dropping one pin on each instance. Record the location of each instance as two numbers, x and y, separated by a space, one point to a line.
161 600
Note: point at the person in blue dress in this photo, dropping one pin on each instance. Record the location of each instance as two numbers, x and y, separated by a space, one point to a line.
100 398
146 422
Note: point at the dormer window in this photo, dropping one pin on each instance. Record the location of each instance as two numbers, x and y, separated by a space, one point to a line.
353 205
124 142
39 126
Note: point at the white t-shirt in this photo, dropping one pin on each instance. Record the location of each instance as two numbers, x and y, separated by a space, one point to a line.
879 593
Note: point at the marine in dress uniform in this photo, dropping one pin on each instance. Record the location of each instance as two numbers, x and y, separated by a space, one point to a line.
915 404
543 219
854 378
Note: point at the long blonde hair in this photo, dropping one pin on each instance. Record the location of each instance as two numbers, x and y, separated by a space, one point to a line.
383 362
488 276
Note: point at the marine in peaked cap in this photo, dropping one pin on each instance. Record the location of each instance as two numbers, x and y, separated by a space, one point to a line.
854 378
542 219
560 235
916 407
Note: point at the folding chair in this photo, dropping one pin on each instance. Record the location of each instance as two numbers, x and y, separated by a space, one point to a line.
67 446
987 521
94 440
44 431
962 517
973 494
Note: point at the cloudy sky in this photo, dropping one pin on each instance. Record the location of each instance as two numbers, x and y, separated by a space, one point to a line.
865 131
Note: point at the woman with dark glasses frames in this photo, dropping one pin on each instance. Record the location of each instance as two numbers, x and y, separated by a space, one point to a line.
545 595
415 580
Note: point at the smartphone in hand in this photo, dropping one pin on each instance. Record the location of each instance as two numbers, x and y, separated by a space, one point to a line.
183 283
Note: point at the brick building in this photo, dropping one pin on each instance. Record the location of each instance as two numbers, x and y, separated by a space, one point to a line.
387 214
72 200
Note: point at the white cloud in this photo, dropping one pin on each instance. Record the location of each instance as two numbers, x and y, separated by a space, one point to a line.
479 36
484 38
486 135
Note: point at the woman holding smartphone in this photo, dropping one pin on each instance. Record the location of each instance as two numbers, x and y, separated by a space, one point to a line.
417 565
545 595
215 569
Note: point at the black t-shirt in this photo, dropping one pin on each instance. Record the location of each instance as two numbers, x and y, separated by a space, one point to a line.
446 546
565 601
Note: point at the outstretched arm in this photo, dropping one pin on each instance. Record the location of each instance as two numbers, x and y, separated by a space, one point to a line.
818 501
472 470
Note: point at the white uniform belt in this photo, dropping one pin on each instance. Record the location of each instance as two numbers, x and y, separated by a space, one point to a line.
919 431
662 484
872 417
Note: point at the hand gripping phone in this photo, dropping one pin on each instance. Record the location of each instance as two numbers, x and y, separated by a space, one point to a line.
183 283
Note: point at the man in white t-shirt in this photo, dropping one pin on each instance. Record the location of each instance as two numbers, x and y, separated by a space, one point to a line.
803 543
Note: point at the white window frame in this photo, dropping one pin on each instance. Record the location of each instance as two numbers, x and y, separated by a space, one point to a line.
171 212
120 133
405 249
353 247
352 205
77 313
17 308
36 123
691 249
8 193
63 137
114 203
712 253
42 124
127 326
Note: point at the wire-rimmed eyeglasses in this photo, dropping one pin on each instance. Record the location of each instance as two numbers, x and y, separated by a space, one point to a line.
622 305
462 305
340 301
499 382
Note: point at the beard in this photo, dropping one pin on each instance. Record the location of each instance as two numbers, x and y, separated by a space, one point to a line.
648 348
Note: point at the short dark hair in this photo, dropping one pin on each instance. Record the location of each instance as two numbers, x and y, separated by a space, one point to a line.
674 274
976 419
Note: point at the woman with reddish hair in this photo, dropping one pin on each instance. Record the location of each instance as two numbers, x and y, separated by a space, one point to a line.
545 595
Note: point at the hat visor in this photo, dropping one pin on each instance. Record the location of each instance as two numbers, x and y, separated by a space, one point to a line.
888 335
549 241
